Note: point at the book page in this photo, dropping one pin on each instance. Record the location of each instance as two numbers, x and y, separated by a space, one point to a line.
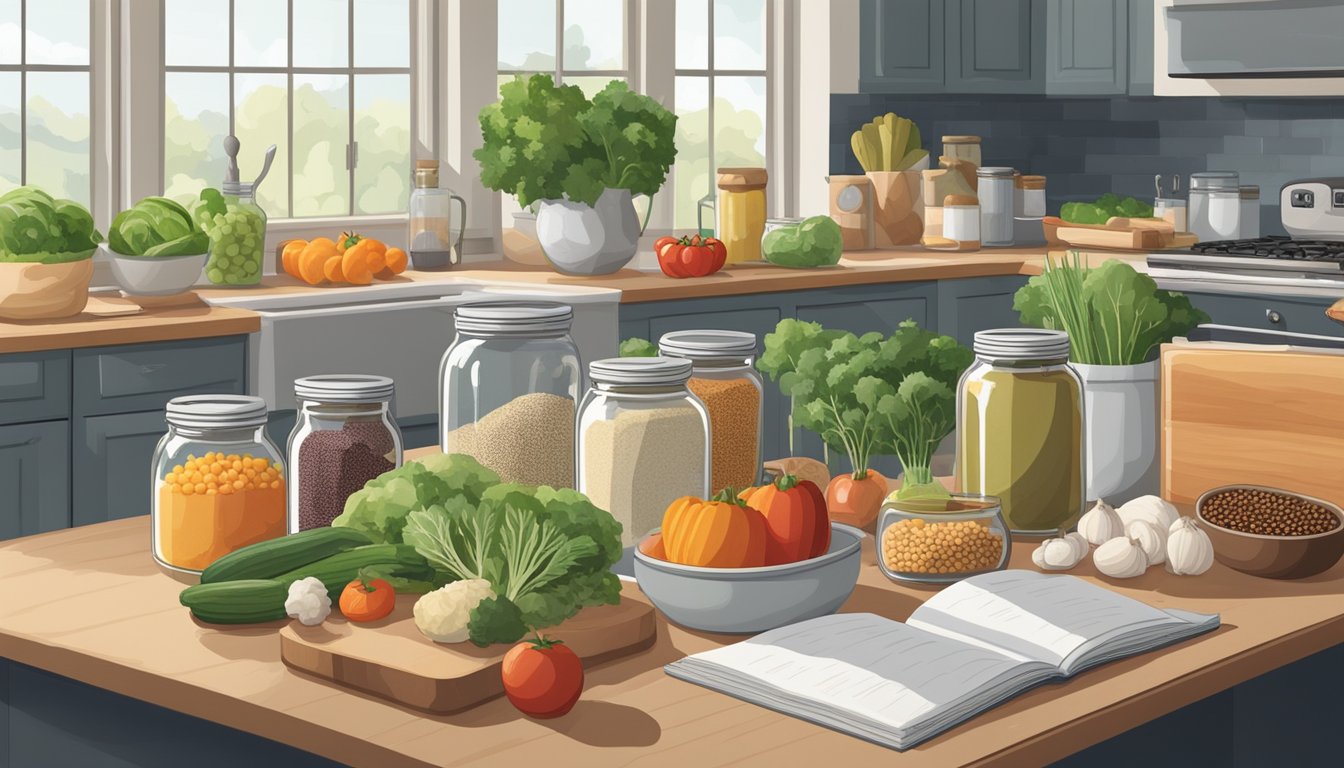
1043 617
878 668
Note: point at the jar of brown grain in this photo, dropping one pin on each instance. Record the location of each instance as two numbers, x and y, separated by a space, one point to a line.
724 377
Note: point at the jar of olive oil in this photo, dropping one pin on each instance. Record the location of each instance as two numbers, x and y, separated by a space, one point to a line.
1020 429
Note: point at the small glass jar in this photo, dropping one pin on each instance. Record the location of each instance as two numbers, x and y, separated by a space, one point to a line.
1248 225
961 221
742 212
1020 429
1171 209
724 377
237 238
1215 205
430 241
643 442
219 481
940 541
995 184
962 148
508 387
344 437
1028 197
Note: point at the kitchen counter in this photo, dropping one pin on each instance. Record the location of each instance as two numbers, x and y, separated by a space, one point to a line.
110 319
91 605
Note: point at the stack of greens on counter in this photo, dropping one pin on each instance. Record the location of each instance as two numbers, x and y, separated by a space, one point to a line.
156 226
38 229
1107 206
813 242
1113 314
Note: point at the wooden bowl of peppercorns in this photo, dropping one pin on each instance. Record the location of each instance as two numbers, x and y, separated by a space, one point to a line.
1272 533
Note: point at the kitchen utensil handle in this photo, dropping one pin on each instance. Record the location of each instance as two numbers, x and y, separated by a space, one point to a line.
462 228
1157 184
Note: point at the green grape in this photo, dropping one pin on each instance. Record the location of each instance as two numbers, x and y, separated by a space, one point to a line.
215 276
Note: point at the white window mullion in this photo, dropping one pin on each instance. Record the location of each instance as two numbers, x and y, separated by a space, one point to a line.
104 112
469 35
653 73
140 81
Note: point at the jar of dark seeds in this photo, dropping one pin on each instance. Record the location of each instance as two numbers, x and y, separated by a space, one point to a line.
345 436
1267 513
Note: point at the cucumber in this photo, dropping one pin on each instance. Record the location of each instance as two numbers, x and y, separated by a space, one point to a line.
268 559
388 560
248 601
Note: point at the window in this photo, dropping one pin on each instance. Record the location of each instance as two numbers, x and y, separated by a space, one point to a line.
721 95
45 96
590 34
327 81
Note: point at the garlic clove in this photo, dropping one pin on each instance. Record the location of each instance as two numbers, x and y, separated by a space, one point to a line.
1155 509
1055 555
1080 545
1101 524
1120 558
1038 557
1152 539
1189 549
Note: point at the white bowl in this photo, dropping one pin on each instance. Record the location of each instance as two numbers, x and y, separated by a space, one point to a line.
155 275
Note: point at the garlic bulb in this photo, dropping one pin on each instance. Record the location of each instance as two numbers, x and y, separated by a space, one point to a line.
1151 538
1189 550
1101 524
1056 555
1120 558
1155 509
1080 545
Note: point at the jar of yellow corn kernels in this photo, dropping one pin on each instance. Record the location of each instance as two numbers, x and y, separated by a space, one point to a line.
942 540
219 481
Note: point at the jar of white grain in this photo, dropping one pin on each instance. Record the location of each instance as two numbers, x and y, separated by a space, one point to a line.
643 440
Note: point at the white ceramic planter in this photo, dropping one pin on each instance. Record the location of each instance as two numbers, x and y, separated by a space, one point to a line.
580 239
1120 407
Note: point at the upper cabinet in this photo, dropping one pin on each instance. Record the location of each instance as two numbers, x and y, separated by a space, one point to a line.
902 46
1087 46
995 46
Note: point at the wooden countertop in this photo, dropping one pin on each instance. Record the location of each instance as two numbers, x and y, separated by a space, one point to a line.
90 604
110 319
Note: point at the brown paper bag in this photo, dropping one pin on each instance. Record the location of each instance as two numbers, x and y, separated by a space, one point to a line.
898 207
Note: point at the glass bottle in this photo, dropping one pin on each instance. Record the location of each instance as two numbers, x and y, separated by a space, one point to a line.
430 242
218 480
742 212
910 549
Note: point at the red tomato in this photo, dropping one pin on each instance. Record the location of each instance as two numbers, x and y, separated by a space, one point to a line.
720 252
542 678
689 256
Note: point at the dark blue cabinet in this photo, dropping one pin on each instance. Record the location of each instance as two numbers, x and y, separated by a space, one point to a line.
902 46
1296 314
995 46
111 462
34 478
977 304
1087 50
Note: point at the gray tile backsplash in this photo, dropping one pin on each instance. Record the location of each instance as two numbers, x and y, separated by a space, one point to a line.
1087 146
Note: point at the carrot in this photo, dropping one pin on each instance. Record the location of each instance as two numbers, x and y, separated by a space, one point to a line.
289 257
313 258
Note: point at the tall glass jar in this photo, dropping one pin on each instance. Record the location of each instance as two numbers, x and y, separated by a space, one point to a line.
1215 205
1020 429
742 212
344 437
508 387
219 481
724 377
965 148
996 205
644 440
237 237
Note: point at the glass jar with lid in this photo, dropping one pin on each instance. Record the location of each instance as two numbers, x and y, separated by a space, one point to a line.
344 437
237 237
508 387
942 540
219 481
995 185
965 148
724 377
643 440
430 241
1215 205
742 212
1020 429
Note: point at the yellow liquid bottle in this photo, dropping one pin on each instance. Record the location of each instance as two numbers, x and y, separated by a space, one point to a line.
742 212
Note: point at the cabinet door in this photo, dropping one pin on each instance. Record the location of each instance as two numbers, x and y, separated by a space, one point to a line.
901 46
976 304
995 46
1087 47
35 386
34 478
112 457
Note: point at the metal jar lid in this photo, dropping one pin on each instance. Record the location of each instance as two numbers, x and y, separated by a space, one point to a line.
344 388
640 371
707 345
1250 191
1215 180
1022 345
994 172
513 318
216 411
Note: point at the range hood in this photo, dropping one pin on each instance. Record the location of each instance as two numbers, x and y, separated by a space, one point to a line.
1255 39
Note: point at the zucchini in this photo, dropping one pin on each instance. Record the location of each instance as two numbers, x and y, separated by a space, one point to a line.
268 559
248 601
388 560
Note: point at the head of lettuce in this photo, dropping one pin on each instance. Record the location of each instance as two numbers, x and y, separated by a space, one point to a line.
36 228
157 227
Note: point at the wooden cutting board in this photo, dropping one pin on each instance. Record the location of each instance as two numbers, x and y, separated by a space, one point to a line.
392 659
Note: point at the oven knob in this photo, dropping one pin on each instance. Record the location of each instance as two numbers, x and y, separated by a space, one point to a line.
1273 316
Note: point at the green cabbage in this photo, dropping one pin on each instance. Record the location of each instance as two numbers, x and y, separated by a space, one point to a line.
35 228
814 242
156 226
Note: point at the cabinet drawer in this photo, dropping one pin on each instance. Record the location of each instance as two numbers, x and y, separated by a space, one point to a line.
143 377
1275 313
34 386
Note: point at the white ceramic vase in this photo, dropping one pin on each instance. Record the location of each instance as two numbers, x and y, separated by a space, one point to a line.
1120 417
580 239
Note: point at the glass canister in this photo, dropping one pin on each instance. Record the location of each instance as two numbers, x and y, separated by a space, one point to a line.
1215 205
643 440
237 235
742 212
1028 196
344 437
1248 224
724 377
942 540
429 221
961 221
996 205
1020 429
962 148
219 481
508 387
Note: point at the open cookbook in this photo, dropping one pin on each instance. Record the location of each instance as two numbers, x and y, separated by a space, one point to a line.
973 645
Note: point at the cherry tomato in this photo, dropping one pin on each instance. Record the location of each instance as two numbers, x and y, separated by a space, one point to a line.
367 599
542 678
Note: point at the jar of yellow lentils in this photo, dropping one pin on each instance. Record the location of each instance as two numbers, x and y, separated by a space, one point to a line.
742 212
938 541
219 481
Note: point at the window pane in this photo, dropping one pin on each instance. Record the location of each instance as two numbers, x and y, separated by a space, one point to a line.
321 33
691 175
58 32
739 34
321 126
196 33
739 121
527 35
693 34
590 84
383 133
10 115
260 34
594 34
196 120
58 133
382 33
10 33
260 119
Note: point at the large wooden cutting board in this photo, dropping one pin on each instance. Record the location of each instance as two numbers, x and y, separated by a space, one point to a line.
392 659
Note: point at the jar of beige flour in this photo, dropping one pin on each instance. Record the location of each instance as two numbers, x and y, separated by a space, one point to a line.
644 440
